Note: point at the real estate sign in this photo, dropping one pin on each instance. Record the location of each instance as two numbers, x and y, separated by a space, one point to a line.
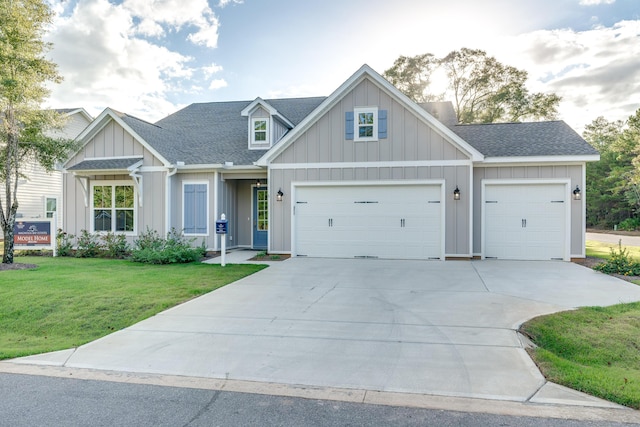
33 233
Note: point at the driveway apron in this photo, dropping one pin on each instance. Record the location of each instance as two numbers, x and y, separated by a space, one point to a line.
443 328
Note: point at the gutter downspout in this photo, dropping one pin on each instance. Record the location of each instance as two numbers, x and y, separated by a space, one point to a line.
167 200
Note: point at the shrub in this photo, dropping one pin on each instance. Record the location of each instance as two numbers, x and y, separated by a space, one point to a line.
115 245
89 245
152 249
629 224
620 262
64 242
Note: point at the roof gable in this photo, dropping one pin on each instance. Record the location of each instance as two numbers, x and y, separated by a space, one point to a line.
366 72
126 122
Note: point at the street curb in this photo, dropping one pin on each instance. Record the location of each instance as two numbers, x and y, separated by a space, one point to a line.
423 401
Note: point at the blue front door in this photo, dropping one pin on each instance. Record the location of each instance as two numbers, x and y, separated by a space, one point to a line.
260 217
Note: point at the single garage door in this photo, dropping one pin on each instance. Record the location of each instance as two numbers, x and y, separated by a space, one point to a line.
394 221
526 221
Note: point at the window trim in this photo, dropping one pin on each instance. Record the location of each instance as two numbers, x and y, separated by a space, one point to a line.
190 182
113 184
46 199
252 131
356 126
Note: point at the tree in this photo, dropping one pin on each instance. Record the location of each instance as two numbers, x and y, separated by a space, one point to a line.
483 90
24 74
613 183
412 75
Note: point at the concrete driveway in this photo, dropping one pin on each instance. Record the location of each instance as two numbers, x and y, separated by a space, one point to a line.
438 328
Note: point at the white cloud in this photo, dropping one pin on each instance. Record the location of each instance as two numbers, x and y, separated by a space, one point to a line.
597 72
155 15
595 2
223 3
105 64
211 70
217 84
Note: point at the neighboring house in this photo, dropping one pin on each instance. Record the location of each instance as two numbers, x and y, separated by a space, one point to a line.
40 192
365 172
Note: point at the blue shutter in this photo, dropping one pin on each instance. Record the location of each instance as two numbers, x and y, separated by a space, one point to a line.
348 125
189 209
195 209
382 124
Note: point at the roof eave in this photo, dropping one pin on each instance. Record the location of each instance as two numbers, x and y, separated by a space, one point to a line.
518 160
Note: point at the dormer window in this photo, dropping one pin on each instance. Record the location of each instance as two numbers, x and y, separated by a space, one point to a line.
260 132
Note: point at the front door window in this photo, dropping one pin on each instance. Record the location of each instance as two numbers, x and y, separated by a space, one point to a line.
263 210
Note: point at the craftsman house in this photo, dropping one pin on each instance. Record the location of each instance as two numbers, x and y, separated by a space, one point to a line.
365 172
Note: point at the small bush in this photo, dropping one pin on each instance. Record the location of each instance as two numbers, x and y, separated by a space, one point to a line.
115 246
89 245
64 242
629 224
620 262
152 249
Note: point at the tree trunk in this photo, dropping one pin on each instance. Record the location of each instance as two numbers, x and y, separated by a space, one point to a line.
7 256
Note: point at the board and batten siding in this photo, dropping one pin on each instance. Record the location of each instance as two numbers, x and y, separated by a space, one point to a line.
575 173
114 141
323 154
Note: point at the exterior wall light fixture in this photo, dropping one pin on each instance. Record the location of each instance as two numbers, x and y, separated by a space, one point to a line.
258 183
456 193
279 195
577 195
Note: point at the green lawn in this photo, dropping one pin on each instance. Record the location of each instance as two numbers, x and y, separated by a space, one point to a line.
603 250
593 349
67 302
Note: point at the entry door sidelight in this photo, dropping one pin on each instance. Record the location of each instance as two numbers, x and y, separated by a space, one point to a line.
260 217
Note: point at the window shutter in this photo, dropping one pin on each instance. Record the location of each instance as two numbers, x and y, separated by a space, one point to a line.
348 125
195 209
382 124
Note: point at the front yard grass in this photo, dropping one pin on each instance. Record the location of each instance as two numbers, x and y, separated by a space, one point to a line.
67 302
595 350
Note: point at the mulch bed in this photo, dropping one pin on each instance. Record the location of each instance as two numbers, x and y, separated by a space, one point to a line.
16 266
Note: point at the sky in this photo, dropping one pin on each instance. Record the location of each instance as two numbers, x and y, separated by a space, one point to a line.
150 58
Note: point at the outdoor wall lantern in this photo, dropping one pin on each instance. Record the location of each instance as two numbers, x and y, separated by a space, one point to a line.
258 183
279 195
576 193
456 193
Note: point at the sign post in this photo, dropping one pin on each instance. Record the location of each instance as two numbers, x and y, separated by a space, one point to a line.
222 229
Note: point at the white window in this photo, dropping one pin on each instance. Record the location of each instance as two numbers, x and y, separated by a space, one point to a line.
259 131
366 124
50 206
195 208
113 207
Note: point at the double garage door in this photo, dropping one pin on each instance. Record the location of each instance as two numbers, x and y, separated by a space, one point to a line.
378 221
526 221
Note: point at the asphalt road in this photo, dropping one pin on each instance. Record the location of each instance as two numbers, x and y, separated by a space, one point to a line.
29 400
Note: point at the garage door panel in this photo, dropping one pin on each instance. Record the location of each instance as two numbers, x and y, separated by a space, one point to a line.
525 221
376 221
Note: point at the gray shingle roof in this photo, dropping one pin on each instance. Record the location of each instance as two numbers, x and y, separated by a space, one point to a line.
554 138
105 164
214 132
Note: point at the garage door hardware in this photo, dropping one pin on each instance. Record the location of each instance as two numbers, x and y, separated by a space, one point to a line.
366 201
402 222
557 201
330 222
524 223
433 201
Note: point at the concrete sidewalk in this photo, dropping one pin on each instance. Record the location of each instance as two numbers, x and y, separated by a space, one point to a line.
409 327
